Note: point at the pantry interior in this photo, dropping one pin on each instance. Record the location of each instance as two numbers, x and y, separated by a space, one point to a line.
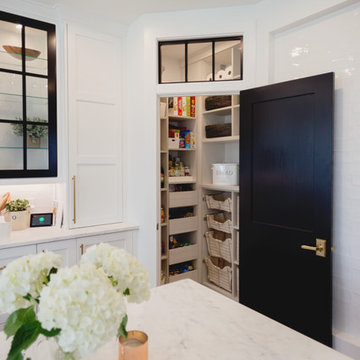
198 202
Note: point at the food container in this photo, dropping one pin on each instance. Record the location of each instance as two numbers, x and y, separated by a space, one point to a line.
225 174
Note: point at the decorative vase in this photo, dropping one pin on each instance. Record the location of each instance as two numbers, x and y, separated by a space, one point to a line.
33 142
134 347
20 220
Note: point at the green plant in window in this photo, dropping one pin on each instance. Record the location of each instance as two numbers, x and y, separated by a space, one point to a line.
33 131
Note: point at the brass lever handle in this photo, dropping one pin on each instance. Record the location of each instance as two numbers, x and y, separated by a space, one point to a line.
82 249
74 198
320 248
2 268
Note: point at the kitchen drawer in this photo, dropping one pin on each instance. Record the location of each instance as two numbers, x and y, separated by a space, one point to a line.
183 198
193 275
182 254
183 225
10 254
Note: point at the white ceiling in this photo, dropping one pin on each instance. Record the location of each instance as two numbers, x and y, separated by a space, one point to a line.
127 10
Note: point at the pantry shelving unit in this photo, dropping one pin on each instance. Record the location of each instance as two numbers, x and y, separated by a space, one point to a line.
208 151
184 227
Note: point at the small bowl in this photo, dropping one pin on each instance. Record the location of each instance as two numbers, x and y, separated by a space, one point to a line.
16 52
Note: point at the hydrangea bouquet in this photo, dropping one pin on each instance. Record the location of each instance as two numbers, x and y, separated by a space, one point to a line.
81 307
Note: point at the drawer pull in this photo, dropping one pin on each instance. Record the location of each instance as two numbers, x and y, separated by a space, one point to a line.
2 268
82 249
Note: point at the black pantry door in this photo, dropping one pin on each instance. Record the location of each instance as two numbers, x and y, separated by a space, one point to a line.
286 203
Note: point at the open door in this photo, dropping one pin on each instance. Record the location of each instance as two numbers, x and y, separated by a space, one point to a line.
286 141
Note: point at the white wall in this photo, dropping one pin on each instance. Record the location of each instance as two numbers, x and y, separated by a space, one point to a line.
262 24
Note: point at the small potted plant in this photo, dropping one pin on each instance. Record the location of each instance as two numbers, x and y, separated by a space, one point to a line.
18 213
34 132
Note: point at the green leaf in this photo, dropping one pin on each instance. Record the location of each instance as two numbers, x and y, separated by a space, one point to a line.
24 338
51 333
122 328
126 292
17 319
52 271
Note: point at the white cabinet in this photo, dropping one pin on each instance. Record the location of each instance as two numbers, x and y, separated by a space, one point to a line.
95 178
66 248
123 240
6 257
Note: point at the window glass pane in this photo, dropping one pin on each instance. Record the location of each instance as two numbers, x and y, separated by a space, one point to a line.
172 63
37 99
10 96
37 147
36 51
227 60
200 61
10 46
11 146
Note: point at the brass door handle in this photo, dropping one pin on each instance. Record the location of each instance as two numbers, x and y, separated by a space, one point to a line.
74 198
82 249
2 268
320 248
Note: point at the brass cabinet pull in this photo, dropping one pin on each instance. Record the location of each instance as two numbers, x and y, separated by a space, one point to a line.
74 198
82 249
2 268
320 248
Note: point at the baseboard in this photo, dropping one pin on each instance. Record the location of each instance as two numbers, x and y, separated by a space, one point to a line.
346 344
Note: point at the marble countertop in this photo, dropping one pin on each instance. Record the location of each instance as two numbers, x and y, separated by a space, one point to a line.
188 321
47 234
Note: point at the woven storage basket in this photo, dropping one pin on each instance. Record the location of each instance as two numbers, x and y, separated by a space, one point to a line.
220 221
219 272
219 244
218 130
221 201
216 102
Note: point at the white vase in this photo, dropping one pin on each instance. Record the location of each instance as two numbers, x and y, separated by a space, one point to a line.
20 220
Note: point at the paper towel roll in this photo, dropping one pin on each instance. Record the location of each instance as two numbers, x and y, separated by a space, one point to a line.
209 77
220 75
229 72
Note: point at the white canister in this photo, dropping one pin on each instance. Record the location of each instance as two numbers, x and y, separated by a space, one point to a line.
225 174
20 220
5 230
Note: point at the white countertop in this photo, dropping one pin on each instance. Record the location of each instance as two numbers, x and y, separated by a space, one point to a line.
187 321
47 234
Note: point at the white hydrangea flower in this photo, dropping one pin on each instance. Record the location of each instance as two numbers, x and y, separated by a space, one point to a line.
25 275
81 302
125 270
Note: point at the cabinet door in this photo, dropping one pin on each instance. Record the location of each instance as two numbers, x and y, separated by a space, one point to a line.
123 240
6 257
66 248
95 186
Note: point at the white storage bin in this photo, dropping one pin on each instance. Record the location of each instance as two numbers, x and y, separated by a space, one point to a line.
220 201
174 143
221 222
219 272
221 248
225 174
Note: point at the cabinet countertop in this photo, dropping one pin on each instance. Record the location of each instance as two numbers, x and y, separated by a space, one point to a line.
185 320
32 236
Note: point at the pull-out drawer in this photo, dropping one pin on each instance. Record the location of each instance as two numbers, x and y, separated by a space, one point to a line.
183 198
183 225
182 254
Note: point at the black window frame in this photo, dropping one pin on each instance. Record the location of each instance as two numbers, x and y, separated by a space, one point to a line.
52 170
212 40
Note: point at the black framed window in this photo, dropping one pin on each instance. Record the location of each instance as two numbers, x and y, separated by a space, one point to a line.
28 146
201 60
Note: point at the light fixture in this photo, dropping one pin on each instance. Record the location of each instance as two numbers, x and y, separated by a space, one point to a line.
16 52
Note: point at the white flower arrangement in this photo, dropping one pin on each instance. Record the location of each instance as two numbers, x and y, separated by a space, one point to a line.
128 275
82 307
